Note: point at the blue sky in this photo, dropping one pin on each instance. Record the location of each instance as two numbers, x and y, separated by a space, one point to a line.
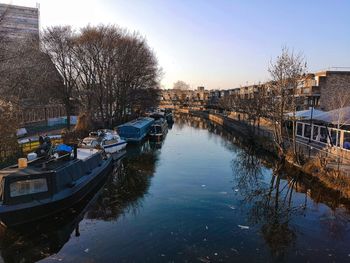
218 43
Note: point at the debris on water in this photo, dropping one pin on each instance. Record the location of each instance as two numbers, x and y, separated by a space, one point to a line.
215 254
243 227
236 190
232 207
235 250
86 250
327 218
206 227
203 185
204 239
223 193
162 255
205 260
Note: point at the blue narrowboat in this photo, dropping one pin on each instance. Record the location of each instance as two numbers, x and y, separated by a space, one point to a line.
135 130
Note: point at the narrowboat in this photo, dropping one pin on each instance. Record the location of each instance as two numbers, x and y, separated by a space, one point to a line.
158 129
157 115
49 184
136 130
169 116
108 140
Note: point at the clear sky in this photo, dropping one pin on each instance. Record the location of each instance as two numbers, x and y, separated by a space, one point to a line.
218 43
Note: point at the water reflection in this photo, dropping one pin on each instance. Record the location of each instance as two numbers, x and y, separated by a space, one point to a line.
125 188
268 199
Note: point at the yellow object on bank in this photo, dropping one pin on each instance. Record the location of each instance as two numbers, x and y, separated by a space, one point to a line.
22 163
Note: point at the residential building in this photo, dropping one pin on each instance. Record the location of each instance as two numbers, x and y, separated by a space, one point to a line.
186 98
334 88
19 22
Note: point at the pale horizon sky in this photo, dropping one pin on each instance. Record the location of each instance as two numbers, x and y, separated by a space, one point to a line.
218 43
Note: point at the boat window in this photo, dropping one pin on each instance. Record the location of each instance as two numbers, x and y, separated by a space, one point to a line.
109 142
324 135
315 133
94 143
346 143
26 187
300 129
335 137
307 131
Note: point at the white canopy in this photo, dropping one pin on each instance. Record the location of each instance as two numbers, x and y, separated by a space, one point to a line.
341 116
305 114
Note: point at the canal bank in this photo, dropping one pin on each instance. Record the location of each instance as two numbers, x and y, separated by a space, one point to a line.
315 165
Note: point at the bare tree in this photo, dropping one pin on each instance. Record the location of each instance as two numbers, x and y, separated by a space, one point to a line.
118 73
286 71
181 85
58 44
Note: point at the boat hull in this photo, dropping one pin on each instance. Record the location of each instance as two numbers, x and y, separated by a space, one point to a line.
20 214
156 137
117 147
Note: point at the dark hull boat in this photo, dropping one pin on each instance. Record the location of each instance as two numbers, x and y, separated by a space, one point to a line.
40 239
158 130
45 188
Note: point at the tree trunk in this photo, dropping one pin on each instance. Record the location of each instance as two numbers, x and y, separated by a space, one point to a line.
68 114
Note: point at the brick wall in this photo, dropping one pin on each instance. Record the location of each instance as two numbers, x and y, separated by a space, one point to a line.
335 87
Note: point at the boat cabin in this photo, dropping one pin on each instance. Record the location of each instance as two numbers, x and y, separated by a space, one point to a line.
135 130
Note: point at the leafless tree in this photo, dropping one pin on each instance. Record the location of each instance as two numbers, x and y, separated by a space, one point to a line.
58 44
118 73
286 71
181 85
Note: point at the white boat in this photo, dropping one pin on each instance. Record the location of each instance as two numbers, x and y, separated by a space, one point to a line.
108 140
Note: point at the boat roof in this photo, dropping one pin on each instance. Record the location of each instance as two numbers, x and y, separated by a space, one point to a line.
33 168
138 123
36 166
159 122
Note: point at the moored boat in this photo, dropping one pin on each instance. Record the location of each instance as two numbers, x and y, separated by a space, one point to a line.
48 185
169 116
108 140
158 129
136 130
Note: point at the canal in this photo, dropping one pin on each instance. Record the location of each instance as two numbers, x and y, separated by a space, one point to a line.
203 195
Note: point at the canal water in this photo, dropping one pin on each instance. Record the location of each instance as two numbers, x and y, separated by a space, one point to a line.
202 195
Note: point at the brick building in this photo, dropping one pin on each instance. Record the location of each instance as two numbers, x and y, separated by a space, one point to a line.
187 98
333 85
